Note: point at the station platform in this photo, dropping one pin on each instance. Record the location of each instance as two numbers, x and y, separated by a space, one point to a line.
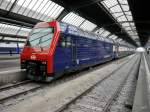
142 94
10 71
9 57
9 64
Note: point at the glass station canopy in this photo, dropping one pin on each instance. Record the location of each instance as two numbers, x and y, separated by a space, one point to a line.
45 10
120 11
78 21
15 30
39 9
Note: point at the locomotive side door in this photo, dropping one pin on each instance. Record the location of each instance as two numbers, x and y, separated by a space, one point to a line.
74 55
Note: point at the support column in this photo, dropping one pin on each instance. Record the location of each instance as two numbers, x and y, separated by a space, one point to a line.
18 49
62 15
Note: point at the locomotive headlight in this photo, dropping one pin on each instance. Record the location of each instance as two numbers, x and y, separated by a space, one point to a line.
44 62
23 61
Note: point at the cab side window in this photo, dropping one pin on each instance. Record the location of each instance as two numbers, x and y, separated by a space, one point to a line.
61 42
64 41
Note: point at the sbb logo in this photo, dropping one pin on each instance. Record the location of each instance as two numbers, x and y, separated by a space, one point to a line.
33 57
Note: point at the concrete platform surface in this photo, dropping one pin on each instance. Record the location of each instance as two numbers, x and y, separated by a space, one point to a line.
4 64
12 76
142 94
8 57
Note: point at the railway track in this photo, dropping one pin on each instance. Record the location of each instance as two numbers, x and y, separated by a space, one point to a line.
16 90
13 85
95 99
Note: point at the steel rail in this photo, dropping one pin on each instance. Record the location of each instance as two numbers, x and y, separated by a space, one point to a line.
2 100
14 85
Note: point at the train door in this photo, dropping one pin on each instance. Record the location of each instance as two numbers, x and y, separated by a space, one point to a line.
115 50
68 52
74 55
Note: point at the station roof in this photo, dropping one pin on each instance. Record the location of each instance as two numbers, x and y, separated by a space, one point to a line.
110 18
120 11
141 15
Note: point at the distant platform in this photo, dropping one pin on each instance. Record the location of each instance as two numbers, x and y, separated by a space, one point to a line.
8 57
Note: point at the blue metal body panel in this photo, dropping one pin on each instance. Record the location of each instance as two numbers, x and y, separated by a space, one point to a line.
81 53
82 50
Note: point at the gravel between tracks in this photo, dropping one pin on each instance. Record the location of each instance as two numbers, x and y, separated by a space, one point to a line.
124 101
51 98
97 99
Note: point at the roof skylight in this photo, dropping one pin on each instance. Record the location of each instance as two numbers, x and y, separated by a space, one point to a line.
78 21
39 9
14 30
14 39
87 25
104 33
120 10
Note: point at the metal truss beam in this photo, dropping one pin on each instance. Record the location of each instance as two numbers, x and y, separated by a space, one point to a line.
62 15
13 36
17 19
76 4
8 41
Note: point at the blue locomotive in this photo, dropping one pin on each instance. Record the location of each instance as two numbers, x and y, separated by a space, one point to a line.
54 48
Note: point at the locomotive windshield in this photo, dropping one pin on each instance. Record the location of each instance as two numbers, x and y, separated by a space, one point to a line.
40 37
